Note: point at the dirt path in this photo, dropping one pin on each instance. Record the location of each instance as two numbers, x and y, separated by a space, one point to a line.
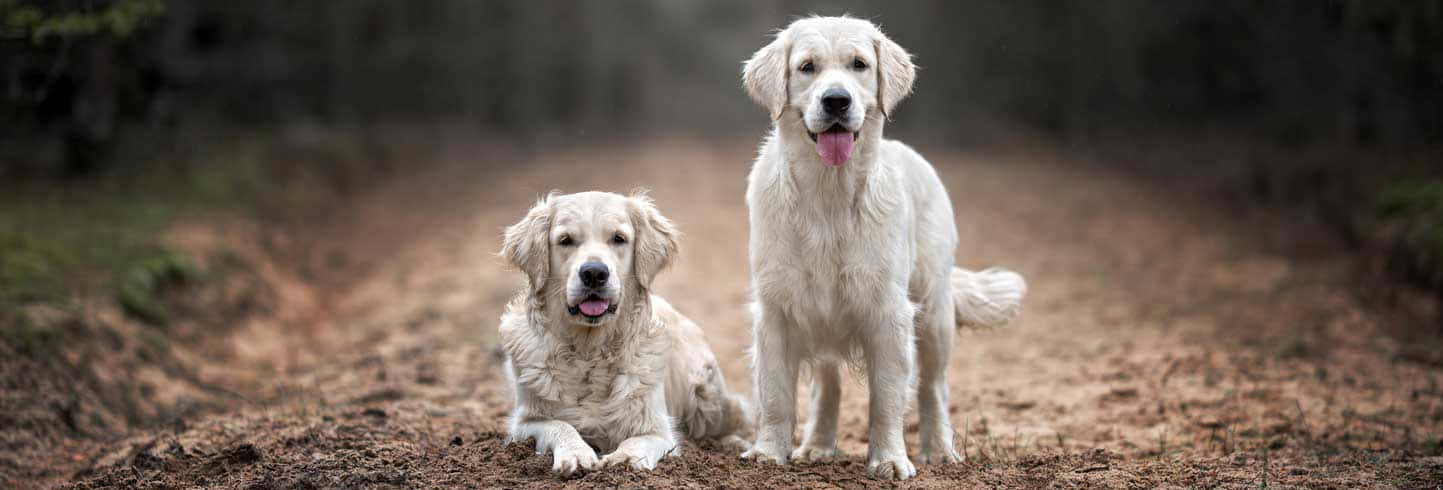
1168 339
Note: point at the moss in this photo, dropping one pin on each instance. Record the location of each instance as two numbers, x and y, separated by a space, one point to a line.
141 289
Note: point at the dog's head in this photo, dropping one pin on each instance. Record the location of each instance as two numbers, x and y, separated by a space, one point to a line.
834 74
591 252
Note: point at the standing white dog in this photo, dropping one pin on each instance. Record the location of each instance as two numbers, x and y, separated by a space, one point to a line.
594 358
852 241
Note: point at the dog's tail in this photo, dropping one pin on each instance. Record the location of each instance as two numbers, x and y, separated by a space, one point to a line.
715 412
987 299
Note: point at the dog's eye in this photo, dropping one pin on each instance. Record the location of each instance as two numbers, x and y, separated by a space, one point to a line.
858 64
807 68
618 239
564 241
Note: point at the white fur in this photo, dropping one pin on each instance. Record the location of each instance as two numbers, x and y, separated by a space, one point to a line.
624 383
853 264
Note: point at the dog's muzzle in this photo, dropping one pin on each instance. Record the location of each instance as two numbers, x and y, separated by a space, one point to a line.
593 307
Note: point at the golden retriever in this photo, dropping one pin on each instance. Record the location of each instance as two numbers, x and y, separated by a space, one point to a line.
594 358
852 243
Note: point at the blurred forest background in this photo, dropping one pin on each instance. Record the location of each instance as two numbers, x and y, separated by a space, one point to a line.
77 73
122 91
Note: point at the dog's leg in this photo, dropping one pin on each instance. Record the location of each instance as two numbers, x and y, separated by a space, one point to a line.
650 439
935 330
640 452
889 351
775 376
570 452
820 441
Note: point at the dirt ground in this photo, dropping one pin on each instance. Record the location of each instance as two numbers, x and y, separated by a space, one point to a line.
1172 338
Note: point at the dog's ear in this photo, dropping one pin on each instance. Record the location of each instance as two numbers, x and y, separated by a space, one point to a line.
655 243
527 244
895 73
766 74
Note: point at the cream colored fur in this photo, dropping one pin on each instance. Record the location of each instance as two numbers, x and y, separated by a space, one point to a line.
628 384
853 264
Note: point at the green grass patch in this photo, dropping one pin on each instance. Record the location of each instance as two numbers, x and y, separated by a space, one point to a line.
1411 198
101 234
1415 209
55 246
140 290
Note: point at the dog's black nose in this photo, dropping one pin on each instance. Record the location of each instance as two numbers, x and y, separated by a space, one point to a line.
836 101
593 274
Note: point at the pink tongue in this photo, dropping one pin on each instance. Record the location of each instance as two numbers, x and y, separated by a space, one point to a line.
594 307
835 147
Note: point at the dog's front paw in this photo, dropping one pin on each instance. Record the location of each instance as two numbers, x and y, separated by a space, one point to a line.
629 458
569 460
815 454
891 467
766 453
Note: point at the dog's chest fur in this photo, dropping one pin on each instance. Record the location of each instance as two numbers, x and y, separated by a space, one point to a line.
596 382
820 262
831 249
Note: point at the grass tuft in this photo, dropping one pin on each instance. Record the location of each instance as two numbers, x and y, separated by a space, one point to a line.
1162 442
141 289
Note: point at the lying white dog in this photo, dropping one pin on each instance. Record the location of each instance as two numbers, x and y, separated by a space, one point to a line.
852 241
594 358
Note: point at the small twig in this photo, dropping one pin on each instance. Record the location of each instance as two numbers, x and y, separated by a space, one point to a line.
1016 438
1168 373
1162 442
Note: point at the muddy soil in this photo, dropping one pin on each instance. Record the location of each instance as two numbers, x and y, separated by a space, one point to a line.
1171 338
